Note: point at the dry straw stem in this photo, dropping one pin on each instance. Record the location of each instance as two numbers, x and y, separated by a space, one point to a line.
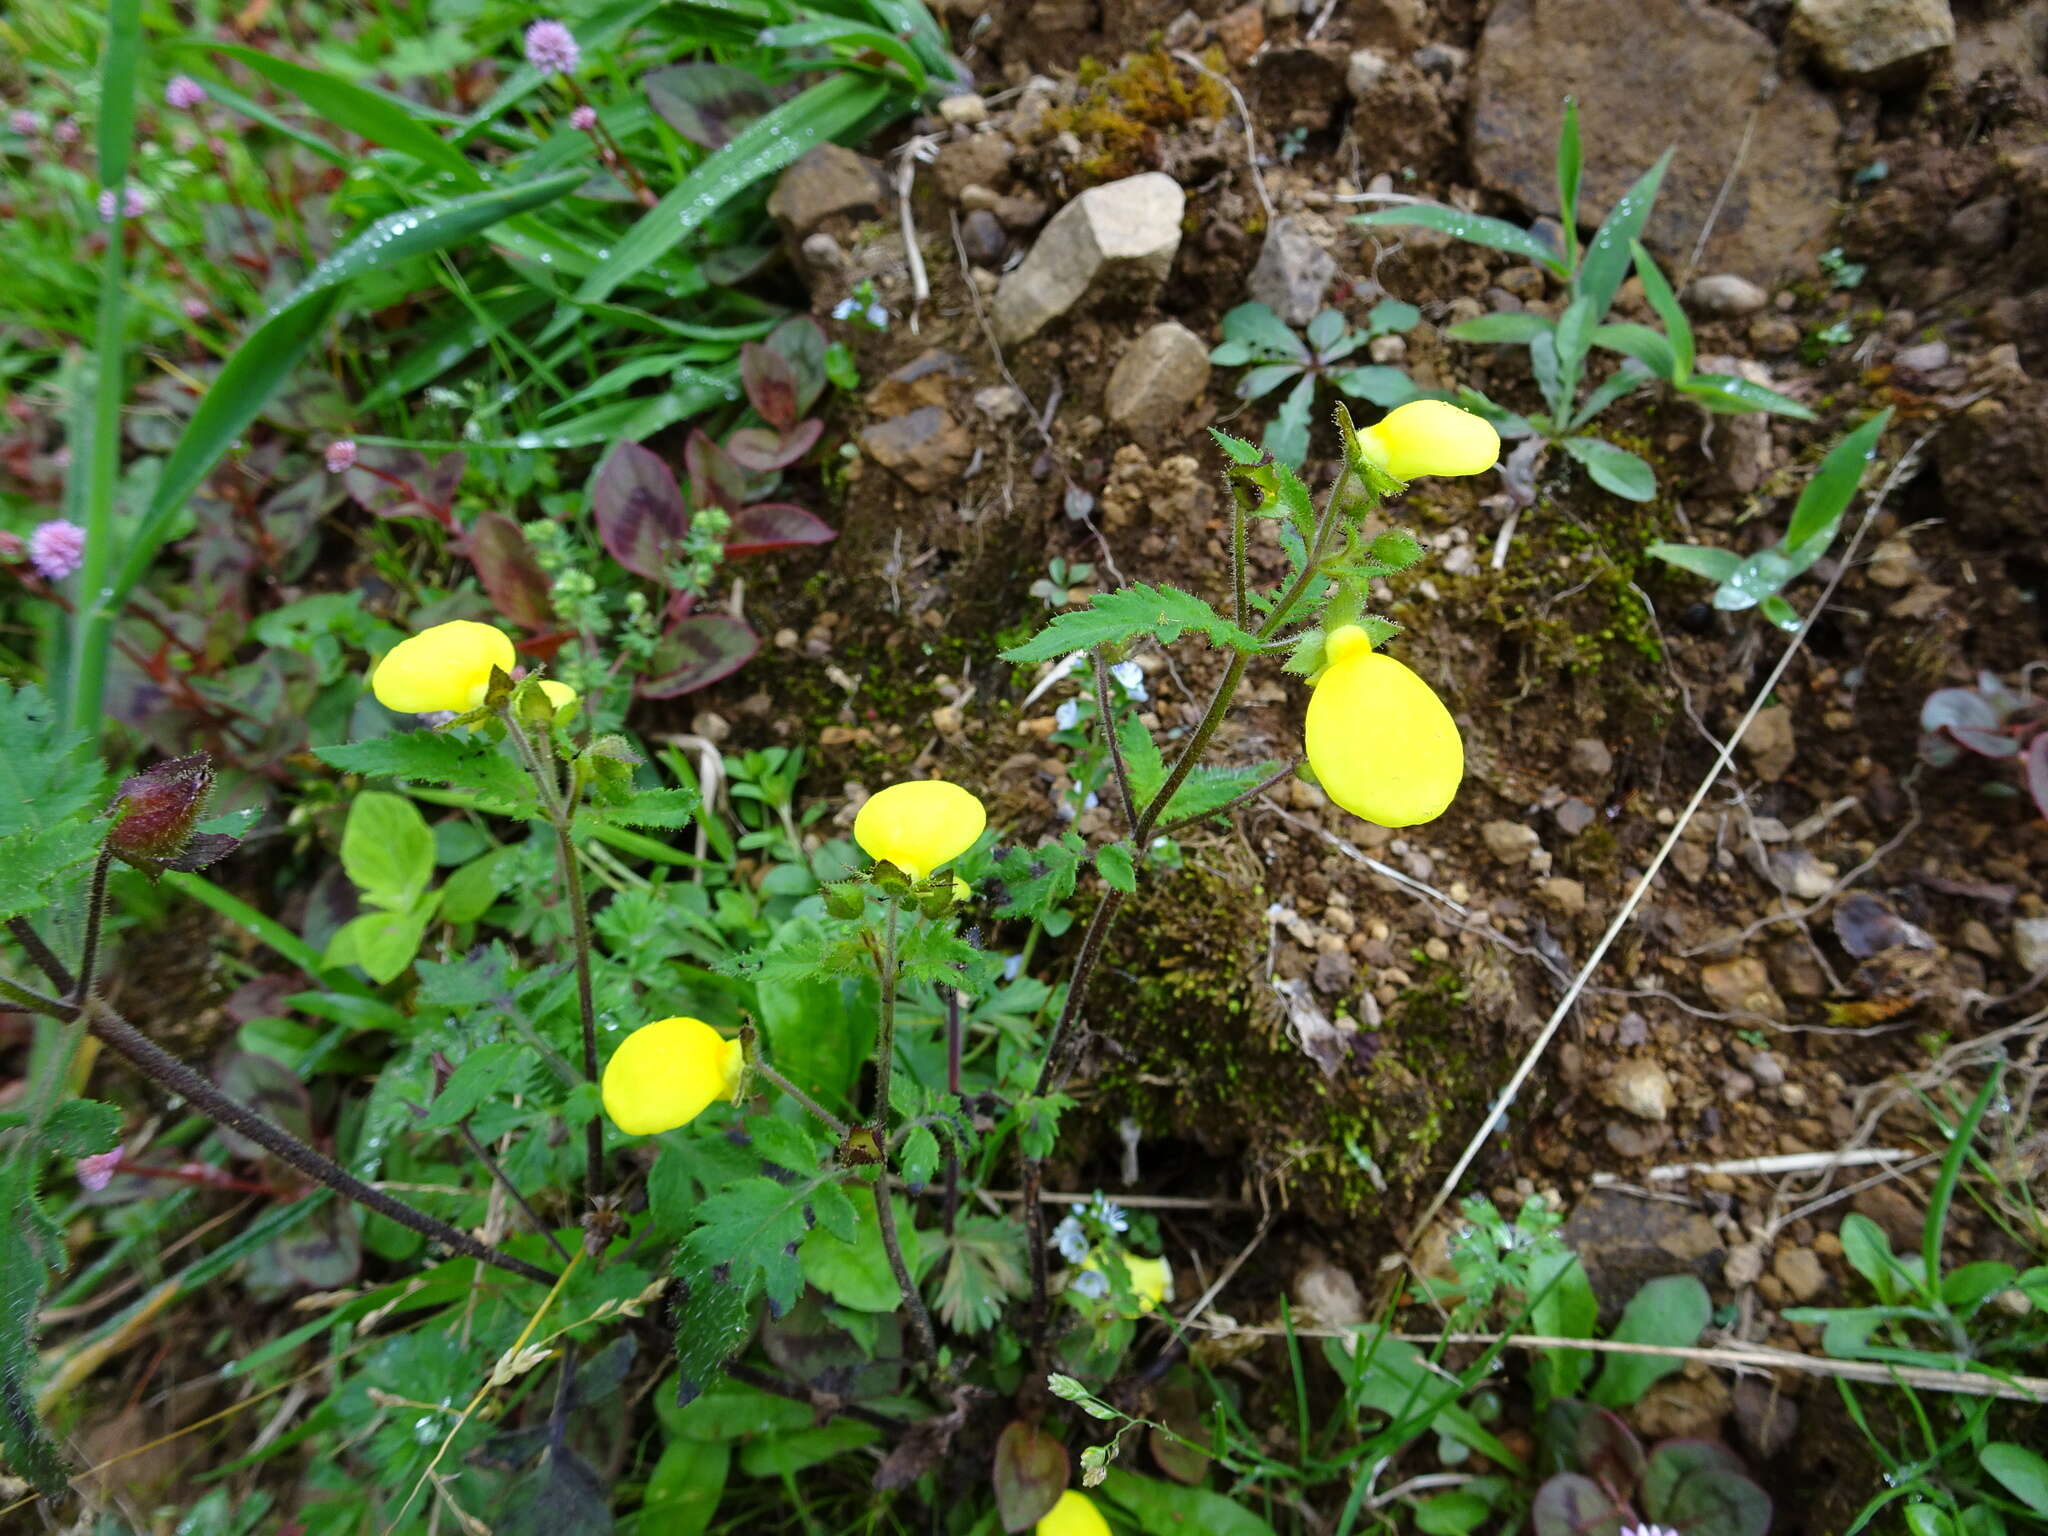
1723 760
2022 1389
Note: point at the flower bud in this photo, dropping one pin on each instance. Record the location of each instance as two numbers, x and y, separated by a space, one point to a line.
667 1073
155 813
919 825
1379 739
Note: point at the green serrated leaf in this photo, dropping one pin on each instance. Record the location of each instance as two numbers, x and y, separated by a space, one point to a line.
1111 618
751 1230
1038 879
714 1315
1208 788
50 784
667 809
456 759
482 1074
1113 862
82 1128
984 1271
1142 762
919 1158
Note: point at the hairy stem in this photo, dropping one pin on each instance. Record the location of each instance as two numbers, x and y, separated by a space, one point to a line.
174 1076
95 920
1116 749
44 958
885 1216
955 1039
750 1038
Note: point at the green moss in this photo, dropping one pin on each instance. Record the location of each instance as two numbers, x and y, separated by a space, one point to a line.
1121 115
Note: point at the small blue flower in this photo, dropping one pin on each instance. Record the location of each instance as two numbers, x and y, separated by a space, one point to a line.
1111 1215
1132 678
1068 715
1071 1240
1092 1283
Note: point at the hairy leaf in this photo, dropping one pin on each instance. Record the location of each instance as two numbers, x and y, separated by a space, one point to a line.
1126 613
1036 880
456 759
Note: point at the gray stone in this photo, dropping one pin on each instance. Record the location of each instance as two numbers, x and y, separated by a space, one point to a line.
1625 1240
1875 42
1725 295
1162 374
979 160
1925 358
1573 816
1800 1271
1743 1265
982 233
828 182
1590 760
1293 272
1366 68
925 448
1640 1088
1650 74
1328 1294
1510 841
1765 1417
1115 241
1737 1086
1444 60
1766 1069
1981 227
2030 943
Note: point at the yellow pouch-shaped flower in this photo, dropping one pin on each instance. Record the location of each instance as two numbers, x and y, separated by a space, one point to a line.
667 1073
1074 1515
1151 1281
561 695
446 667
1380 740
919 825
1431 437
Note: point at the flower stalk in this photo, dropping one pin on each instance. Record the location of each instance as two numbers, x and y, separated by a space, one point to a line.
885 1062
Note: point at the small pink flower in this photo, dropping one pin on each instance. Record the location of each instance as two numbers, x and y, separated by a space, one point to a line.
341 455
60 458
23 122
584 118
551 49
184 93
133 204
56 549
197 308
95 1173
1649 1530
66 132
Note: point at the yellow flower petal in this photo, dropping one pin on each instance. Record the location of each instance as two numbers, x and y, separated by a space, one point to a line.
667 1073
1074 1515
919 825
1380 740
1431 437
561 695
446 667
1151 1281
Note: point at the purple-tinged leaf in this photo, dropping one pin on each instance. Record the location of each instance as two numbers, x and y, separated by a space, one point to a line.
771 525
769 379
1985 743
517 586
716 478
323 1252
698 652
1946 708
2037 772
264 1083
764 451
1608 1451
802 340
1030 1475
639 509
1866 927
708 104
1673 1461
1572 1505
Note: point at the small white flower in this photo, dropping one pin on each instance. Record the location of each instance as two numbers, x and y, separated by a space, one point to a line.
1648 1530
1092 801
1071 1241
878 317
845 307
1112 1216
1013 967
1132 677
1068 715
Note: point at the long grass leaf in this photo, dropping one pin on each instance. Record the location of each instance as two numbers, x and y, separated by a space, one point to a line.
358 109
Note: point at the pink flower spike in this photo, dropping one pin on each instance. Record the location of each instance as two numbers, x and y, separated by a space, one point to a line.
551 49
583 119
184 93
197 308
107 206
23 122
56 549
95 1173
66 132
341 456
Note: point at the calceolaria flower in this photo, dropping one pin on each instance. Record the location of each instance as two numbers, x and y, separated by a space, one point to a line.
446 667
667 1073
1074 1515
919 825
1379 739
561 695
1431 437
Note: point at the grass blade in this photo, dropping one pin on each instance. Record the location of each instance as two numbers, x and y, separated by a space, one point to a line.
357 109
1607 254
1944 1191
1478 228
1569 163
1819 510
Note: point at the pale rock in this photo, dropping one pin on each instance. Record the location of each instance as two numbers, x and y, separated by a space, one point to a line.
1768 744
1928 357
965 109
1742 985
1893 564
1509 841
1800 1271
1115 241
1158 378
1725 295
1766 1069
1875 42
2030 943
1293 272
830 181
1590 760
1566 896
1640 1088
1742 1265
1365 69
1328 1294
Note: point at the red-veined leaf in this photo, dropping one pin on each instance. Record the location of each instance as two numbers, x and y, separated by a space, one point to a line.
698 652
772 525
639 509
765 451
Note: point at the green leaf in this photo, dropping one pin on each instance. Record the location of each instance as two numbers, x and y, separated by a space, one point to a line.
454 758
1286 436
665 808
1169 1509
772 141
1648 347
50 786
983 1272
714 1318
271 353
1142 762
684 1490
1673 1310
1497 234
1702 560
82 1128
387 120
1512 327
382 943
2021 1472
1391 316
918 1160
753 1228
1111 618
387 850
1779 612
30 1244
1629 376
1574 334
473 889
1266 378
1657 289
1036 880
854 1271
1210 787
1735 397
1113 863
1569 163
787 1455
1614 469
1608 252
1377 384
1826 497
1237 449
483 1073
1264 332
1565 1307
853 42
